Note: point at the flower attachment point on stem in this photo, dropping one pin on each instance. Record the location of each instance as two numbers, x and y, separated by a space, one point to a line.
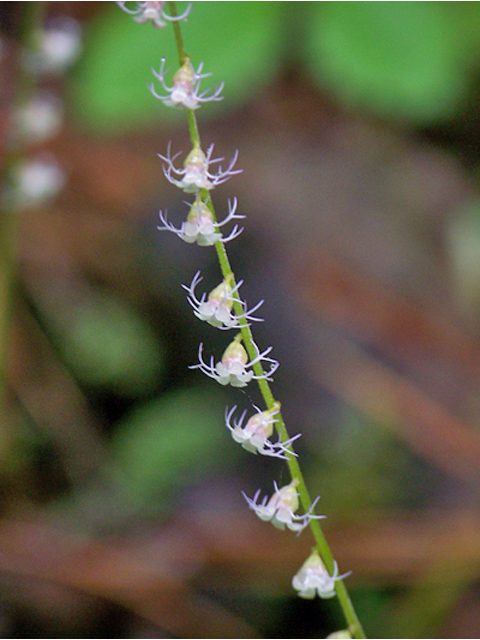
254 437
234 368
195 174
313 578
217 309
153 11
200 226
186 87
280 509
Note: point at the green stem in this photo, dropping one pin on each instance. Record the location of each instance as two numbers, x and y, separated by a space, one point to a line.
322 546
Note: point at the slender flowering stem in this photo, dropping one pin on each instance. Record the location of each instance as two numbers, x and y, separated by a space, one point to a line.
252 349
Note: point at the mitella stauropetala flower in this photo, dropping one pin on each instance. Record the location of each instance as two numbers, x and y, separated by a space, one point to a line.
200 227
281 508
217 308
153 11
234 367
185 89
196 173
313 578
254 436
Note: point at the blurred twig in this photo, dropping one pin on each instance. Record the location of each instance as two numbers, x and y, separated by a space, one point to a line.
371 385
54 401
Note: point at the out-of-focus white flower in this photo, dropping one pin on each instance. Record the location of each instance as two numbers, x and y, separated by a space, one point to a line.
281 507
254 436
234 368
154 11
195 174
313 579
200 226
185 89
58 47
217 309
34 182
39 119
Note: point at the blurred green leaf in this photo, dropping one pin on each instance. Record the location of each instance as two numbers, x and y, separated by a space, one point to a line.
366 469
171 441
463 238
238 42
464 21
395 58
108 344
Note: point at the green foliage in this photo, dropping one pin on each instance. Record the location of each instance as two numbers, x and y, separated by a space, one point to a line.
364 471
396 58
171 441
409 60
238 42
373 602
109 345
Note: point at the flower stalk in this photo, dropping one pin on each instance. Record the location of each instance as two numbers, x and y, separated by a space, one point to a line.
243 360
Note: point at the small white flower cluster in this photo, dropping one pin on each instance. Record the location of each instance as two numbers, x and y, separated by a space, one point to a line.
36 178
223 308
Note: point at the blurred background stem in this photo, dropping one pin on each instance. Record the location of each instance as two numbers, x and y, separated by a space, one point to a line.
32 17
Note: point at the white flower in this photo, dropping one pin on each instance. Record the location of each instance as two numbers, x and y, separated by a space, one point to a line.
234 367
195 173
254 437
313 578
186 86
200 226
39 119
33 183
217 309
59 45
280 509
153 11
